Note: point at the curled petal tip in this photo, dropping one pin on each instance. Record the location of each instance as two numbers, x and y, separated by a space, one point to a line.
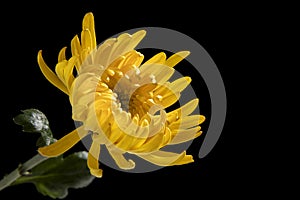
96 172
202 119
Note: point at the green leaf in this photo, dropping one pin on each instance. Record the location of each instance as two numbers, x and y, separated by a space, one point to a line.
55 176
34 121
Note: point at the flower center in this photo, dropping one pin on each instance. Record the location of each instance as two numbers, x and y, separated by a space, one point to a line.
123 100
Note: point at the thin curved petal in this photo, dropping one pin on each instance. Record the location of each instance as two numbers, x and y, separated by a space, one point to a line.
159 58
185 135
86 40
107 52
59 70
50 75
136 39
76 51
184 110
187 122
63 144
176 58
89 24
164 158
119 48
93 160
180 84
68 72
161 72
152 144
119 158
62 54
131 58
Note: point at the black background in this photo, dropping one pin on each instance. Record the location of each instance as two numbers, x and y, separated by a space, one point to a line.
51 25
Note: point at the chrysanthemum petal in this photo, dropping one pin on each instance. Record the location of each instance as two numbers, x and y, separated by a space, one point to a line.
167 136
103 52
86 40
185 135
169 99
75 46
59 70
120 122
180 84
136 39
133 57
62 54
189 107
176 58
164 158
119 158
107 52
184 110
98 120
93 160
63 144
68 72
152 144
142 134
160 72
159 58
89 24
76 51
187 122
133 135
119 48
50 75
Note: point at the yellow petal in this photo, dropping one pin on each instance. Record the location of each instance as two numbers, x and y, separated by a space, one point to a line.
185 135
180 84
161 73
86 57
184 110
63 144
136 39
102 53
62 54
131 59
112 48
98 119
79 112
121 121
119 158
159 58
189 107
170 99
152 144
119 48
187 122
142 134
76 51
86 40
75 46
167 136
176 58
49 74
116 134
68 72
128 138
88 23
164 158
93 160
59 69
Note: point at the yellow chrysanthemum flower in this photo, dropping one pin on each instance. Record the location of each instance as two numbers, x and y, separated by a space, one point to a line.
121 101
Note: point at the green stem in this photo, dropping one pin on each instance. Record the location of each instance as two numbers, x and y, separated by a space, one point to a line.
21 170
